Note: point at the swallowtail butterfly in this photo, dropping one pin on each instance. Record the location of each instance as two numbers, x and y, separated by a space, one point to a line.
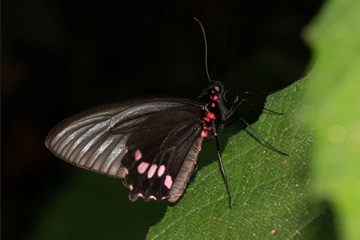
151 144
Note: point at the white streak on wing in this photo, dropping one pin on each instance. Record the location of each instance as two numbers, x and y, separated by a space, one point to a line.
96 159
73 151
113 162
134 111
69 129
80 159
64 144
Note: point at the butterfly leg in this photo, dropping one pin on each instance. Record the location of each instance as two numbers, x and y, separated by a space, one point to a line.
257 135
223 174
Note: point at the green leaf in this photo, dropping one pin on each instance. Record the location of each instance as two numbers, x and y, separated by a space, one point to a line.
270 192
334 110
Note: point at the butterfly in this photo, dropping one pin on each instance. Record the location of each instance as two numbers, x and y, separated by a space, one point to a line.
151 144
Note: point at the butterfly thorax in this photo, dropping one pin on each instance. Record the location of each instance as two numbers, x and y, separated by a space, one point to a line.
215 111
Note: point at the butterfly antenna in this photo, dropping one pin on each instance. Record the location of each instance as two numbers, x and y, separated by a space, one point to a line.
222 52
206 48
223 174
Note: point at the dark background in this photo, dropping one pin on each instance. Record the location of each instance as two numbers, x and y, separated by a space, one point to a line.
61 57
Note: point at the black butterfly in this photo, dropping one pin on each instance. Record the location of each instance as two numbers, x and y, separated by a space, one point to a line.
152 144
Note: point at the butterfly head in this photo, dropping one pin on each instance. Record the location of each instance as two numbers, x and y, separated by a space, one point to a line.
213 96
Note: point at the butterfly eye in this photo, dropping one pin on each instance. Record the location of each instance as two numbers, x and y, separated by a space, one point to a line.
217 88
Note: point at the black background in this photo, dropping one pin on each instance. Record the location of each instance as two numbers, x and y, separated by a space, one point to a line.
61 57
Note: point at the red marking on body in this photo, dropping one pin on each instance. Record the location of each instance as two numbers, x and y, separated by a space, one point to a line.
214 98
212 91
151 171
213 105
207 119
203 134
207 128
210 115
168 182
138 155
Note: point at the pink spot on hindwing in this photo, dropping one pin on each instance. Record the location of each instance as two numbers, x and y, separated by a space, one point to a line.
138 155
151 171
168 182
161 170
142 167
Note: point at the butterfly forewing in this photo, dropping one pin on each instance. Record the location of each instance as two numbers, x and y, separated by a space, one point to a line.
144 142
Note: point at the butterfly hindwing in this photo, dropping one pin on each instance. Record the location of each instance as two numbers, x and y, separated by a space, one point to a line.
158 151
